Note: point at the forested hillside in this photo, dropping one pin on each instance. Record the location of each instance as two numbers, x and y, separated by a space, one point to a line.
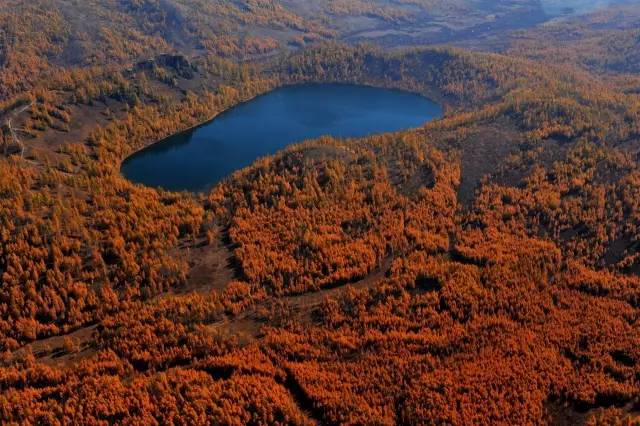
482 269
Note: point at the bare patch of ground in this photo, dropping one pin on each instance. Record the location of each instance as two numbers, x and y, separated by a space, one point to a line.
61 350
565 415
211 266
482 154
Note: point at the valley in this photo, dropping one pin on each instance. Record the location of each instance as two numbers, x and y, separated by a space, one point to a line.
466 255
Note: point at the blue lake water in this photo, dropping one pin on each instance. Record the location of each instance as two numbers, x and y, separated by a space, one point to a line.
565 7
199 158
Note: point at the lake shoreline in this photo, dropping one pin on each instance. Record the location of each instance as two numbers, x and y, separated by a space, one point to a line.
350 122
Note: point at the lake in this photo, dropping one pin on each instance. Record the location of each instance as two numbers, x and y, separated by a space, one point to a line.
199 158
576 7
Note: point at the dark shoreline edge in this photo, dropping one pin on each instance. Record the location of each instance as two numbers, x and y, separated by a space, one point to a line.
431 97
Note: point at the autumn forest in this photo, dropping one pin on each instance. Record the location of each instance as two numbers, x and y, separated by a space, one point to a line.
483 268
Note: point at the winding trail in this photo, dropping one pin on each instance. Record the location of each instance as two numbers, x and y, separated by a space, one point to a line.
69 348
247 325
12 130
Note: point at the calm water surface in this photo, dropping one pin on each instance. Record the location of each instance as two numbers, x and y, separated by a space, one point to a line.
570 7
199 158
